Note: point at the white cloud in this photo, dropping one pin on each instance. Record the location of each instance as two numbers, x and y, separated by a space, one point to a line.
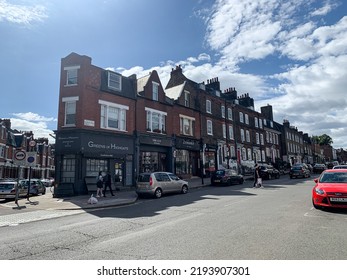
35 123
323 10
21 14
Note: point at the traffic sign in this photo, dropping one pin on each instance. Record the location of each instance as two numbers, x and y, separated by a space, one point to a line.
20 155
31 159
32 143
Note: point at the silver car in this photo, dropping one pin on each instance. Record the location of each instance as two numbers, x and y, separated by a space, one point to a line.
8 189
158 183
36 186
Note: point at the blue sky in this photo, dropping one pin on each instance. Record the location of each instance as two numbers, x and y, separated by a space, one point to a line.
290 54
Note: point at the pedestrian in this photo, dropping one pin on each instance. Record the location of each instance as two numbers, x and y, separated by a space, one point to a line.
257 178
99 185
108 183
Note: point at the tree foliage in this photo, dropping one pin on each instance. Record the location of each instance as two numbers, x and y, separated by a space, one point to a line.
322 139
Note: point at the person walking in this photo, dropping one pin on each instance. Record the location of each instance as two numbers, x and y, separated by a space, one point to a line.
257 178
99 185
108 183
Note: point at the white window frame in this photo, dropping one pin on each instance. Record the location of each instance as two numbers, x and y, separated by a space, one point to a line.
155 91
231 132
71 75
241 117
208 107
261 139
224 131
114 78
186 98
248 136
106 115
256 122
260 123
209 127
246 119
150 113
70 101
222 108
230 114
242 132
257 138
183 126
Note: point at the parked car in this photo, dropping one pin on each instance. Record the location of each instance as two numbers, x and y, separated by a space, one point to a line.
330 189
341 166
226 177
158 183
319 168
36 186
267 172
8 189
299 170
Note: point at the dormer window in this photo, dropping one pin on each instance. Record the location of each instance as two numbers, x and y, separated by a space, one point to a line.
114 81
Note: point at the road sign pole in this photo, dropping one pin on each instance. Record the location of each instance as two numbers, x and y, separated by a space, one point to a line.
29 183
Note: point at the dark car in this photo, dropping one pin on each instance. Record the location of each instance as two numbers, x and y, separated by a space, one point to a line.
319 168
299 170
226 177
267 172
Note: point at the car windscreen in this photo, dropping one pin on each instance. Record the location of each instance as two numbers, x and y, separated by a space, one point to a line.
143 178
338 177
220 172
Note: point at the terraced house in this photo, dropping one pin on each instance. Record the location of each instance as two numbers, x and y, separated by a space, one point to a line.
128 125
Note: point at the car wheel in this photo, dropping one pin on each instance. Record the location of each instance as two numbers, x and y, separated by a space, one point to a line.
229 182
44 191
269 177
158 193
241 181
184 189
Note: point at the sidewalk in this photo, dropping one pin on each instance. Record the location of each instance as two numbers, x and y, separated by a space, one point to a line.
123 197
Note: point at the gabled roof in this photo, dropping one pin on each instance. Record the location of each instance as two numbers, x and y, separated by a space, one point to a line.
175 92
141 82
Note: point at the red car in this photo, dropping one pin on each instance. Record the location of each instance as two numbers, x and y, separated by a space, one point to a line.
330 189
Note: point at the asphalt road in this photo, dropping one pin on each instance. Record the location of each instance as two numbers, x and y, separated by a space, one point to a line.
237 222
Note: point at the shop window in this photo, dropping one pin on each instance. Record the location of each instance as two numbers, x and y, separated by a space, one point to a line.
68 169
94 166
152 162
183 163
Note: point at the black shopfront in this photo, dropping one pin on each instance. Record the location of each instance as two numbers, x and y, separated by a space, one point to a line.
155 153
187 155
81 155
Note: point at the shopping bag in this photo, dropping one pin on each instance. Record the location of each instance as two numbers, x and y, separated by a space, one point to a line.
259 182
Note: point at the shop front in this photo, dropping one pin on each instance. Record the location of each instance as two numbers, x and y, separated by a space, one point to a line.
210 156
155 154
80 156
186 156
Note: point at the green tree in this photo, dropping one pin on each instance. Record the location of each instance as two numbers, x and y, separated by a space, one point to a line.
322 139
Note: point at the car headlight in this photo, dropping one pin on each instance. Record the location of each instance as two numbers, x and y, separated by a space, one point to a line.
319 191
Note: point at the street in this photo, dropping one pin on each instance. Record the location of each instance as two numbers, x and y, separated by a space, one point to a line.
217 223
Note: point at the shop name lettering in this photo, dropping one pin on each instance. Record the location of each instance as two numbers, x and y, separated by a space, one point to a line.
91 144
189 143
